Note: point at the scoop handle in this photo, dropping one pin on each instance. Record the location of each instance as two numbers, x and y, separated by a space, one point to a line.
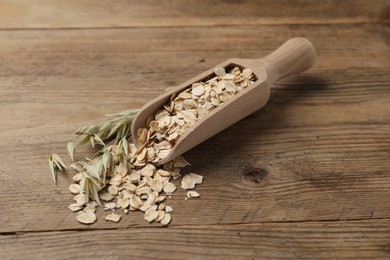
294 56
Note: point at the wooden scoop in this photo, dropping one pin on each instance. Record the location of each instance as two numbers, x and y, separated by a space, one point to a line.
294 56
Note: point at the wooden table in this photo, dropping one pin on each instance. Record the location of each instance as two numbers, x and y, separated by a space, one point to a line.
308 176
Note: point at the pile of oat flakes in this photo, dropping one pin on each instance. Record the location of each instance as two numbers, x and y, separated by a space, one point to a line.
125 178
187 107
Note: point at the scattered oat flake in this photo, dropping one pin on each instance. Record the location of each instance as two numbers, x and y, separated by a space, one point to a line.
151 215
81 198
78 177
90 207
190 180
74 188
160 198
122 203
169 187
156 185
180 162
129 186
113 217
109 205
113 189
75 207
161 215
192 194
116 180
86 217
166 220
186 182
135 202
106 196
148 170
143 190
164 173
168 209
198 179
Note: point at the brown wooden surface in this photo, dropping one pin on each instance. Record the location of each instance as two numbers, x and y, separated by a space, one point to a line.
321 146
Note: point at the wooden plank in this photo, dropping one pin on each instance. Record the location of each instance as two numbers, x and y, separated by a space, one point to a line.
135 55
351 239
15 14
310 173
322 141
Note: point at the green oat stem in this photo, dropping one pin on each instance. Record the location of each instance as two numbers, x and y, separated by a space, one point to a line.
95 170
56 163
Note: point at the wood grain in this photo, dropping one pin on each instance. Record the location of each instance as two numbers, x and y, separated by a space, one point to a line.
20 14
307 176
323 240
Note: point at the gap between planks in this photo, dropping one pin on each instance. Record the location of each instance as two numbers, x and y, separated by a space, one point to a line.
383 22
195 226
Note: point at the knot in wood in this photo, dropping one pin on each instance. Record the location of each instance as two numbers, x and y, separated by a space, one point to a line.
253 175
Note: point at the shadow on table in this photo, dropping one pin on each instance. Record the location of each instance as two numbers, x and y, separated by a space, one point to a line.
212 154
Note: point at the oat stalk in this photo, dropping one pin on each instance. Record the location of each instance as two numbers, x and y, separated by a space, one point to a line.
56 163
111 131
115 130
